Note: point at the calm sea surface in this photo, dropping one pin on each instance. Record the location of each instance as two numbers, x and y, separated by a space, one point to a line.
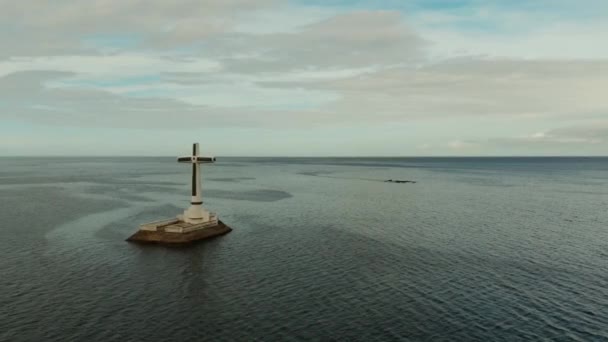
501 249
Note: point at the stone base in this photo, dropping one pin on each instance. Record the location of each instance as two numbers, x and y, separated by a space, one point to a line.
160 236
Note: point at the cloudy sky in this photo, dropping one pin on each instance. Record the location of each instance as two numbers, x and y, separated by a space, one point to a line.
304 78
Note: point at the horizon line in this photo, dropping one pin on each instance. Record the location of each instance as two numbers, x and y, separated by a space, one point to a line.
312 156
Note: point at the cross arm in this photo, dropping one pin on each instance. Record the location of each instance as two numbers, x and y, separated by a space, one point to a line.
198 160
205 159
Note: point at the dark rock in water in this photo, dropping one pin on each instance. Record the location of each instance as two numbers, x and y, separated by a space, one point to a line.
399 181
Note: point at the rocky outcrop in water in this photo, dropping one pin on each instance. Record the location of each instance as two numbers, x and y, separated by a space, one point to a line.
399 181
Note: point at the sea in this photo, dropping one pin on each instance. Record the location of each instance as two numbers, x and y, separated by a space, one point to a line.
323 249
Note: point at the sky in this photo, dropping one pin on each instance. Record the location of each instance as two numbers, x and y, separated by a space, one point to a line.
304 78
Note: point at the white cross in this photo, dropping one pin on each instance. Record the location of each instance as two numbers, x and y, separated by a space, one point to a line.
195 159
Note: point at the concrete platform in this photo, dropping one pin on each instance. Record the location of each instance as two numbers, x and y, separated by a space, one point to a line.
175 232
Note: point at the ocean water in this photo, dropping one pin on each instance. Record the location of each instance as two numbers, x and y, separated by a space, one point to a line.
479 249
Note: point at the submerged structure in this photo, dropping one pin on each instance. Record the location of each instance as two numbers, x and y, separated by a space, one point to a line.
194 224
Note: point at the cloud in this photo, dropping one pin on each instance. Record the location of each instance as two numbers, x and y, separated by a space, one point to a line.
592 132
57 28
360 39
543 29
521 90
362 65
472 87
113 66
460 145
582 134
435 71
24 97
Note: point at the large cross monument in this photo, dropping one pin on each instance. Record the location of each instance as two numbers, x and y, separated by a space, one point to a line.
196 222
196 213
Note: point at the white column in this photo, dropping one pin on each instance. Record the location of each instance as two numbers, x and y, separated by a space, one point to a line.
197 198
196 177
